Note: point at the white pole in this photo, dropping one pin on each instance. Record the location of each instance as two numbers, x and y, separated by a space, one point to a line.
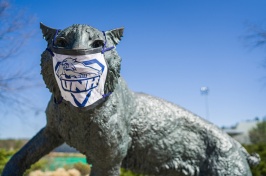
205 92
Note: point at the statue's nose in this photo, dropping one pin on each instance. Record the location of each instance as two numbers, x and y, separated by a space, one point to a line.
79 45
81 42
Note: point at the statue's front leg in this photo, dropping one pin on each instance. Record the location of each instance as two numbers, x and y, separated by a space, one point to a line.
42 143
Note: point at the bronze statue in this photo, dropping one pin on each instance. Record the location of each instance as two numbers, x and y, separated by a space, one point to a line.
92 110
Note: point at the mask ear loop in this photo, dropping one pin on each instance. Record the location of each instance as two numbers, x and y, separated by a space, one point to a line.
52 54
104 46
56 33
48 49
104 50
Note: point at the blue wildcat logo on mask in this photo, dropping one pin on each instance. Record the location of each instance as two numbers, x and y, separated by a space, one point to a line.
80 78
77 76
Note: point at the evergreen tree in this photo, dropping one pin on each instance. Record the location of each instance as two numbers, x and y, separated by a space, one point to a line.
258 134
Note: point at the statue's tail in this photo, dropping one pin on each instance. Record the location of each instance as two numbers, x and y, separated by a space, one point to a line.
253 159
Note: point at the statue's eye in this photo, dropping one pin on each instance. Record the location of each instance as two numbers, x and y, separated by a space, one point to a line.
97 43
61 42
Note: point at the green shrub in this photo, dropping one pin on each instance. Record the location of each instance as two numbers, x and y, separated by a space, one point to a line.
68 167
125 172
4 157
40 165
84 169
258 134
259 170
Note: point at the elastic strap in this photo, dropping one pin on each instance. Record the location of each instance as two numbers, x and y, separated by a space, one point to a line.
48 49
57 30
107 95
103 50
104 46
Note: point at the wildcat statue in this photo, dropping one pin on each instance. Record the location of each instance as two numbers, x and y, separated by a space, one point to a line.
92 110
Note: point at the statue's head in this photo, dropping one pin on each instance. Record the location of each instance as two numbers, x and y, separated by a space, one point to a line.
80 61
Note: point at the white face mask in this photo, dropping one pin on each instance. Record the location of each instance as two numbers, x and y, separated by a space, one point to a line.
81 78
80 74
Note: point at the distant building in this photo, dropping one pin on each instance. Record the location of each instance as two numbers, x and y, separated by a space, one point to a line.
240 132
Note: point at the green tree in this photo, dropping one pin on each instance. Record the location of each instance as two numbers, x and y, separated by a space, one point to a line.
39 165
4 157
258 134
259 170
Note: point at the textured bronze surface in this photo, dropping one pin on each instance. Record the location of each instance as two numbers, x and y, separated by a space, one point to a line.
133 130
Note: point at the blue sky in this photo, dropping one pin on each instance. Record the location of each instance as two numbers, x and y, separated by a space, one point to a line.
170 49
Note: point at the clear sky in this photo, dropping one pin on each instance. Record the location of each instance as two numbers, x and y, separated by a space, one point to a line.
170 49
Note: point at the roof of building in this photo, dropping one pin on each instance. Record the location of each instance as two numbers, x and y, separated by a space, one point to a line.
241 131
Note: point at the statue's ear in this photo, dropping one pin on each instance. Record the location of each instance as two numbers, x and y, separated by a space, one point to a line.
48 33
115 35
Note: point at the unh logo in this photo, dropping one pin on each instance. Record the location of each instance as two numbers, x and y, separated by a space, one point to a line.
79 77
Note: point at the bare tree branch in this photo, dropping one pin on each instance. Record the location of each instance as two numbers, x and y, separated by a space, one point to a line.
15 31
256 37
